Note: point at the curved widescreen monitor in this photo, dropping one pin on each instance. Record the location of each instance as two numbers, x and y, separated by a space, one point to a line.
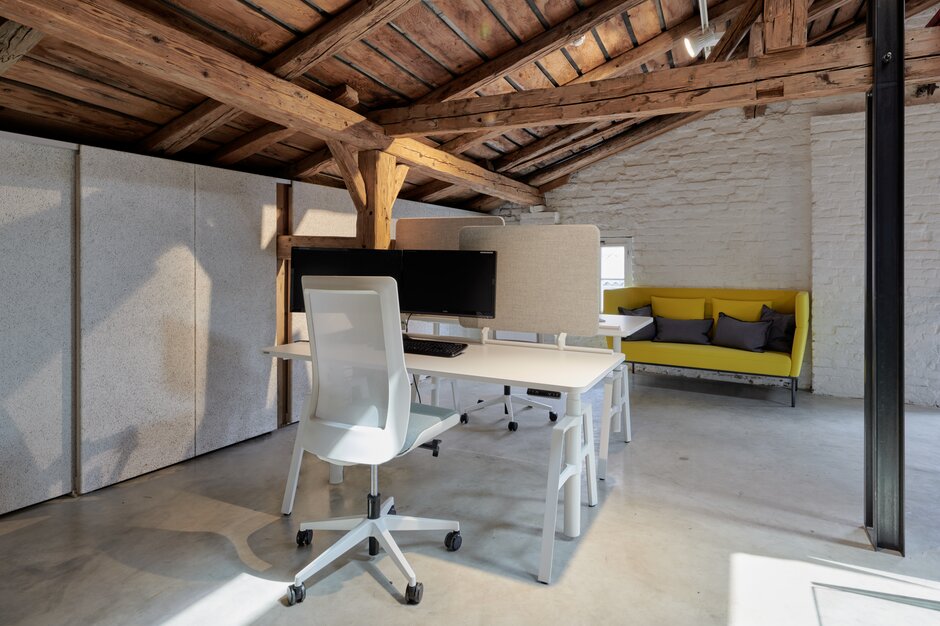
456 283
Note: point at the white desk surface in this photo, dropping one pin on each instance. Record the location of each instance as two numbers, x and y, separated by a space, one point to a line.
546 368
621 325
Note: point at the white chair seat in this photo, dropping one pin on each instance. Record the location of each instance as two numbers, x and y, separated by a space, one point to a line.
425 423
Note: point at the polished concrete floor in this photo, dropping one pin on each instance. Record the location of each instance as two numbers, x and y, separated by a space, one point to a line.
729 507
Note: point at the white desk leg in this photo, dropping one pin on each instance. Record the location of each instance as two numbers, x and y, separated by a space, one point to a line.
290 490
336 474
626 421
573 457
550 518
435 391
606 419
587 455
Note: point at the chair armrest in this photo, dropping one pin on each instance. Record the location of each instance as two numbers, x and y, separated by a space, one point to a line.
801 311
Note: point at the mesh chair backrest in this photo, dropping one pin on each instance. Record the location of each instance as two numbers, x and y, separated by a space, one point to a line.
359 402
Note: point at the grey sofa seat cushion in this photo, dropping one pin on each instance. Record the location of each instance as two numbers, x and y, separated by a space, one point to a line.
682 331
647 332
731 332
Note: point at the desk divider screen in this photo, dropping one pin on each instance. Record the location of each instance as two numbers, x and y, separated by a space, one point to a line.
547 277
437 233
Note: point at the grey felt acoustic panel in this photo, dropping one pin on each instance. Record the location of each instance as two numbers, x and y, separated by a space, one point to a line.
236 387
36 202
137 274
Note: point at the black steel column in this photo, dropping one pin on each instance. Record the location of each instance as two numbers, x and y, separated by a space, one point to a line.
884 344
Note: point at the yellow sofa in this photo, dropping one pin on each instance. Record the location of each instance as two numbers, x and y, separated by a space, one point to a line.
718 358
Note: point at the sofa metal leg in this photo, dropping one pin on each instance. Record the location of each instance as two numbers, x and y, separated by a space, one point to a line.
793 392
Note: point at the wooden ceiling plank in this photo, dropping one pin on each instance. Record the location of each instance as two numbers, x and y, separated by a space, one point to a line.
251 143
335 36
911 8
76 60
16 41
527 52
825 7
33 72
41 103
116 30
238 19
291 63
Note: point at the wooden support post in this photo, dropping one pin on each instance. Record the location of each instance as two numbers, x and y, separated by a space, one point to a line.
282 304
755 48
382 180
785 24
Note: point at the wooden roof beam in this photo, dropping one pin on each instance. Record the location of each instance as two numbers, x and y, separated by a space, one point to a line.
332 37
16 41
120 32
806 73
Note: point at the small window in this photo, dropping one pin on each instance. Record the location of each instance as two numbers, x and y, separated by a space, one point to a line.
616 262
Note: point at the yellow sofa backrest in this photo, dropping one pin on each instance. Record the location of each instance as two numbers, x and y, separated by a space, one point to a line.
783 300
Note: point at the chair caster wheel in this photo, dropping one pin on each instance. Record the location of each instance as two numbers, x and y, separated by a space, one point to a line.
552 416
513 426
295 594
453 541
304 537
414 594
464 418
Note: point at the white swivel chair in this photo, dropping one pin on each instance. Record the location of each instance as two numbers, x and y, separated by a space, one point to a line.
359 412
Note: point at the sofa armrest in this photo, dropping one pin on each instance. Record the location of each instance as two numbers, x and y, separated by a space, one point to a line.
614 298
801 310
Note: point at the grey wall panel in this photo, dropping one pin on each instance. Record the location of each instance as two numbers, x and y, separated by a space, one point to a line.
236 386
137 275
36 199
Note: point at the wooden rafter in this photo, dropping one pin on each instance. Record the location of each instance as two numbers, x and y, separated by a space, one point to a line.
348 27
806 73
16 41
124 34
269 134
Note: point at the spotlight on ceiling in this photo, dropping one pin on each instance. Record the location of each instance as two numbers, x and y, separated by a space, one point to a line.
705 40
578 42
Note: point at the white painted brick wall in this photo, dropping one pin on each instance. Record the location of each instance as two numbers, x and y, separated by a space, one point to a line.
728 202
838 240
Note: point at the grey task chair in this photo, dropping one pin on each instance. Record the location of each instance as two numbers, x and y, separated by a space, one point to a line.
359 411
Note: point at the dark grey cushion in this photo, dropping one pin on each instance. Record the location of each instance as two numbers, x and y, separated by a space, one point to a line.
682 331
731 332
782 329
647 332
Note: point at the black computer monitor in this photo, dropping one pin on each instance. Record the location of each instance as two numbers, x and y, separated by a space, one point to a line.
339 262
448 282
434 282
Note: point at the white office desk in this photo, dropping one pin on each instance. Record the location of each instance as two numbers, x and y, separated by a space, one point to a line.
569 371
